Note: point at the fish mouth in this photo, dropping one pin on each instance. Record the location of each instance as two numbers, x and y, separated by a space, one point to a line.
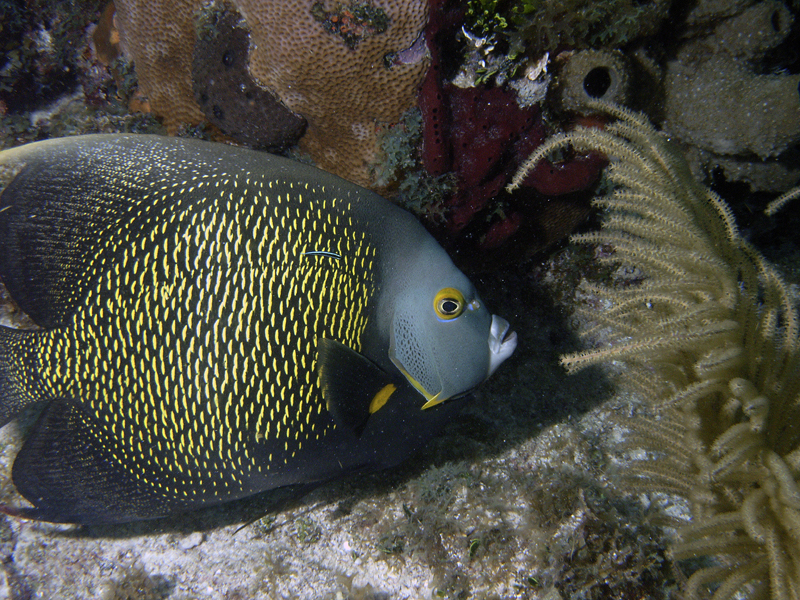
502 342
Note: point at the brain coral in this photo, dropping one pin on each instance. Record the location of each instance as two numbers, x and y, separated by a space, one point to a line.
344 67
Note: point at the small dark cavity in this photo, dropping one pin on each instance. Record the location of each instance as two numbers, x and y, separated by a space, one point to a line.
775 20
597 82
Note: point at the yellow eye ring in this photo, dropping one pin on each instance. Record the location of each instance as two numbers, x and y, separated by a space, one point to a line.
449 303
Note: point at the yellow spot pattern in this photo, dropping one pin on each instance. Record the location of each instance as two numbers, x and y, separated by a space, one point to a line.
194 353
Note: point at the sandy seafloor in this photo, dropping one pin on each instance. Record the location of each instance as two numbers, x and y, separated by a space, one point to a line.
520 498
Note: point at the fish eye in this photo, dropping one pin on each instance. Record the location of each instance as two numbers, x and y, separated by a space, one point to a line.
449 303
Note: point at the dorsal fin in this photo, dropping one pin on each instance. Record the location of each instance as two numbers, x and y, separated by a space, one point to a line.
67 204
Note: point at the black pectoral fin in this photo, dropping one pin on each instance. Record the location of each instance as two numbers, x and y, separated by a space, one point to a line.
353 386
65 471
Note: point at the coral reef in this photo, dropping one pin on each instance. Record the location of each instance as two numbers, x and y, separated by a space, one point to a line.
86 98
720 99
158 37
711 339
520 497
345 68
478 134
40 50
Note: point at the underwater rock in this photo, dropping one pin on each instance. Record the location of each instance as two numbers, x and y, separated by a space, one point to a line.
551 25
40 46
706 12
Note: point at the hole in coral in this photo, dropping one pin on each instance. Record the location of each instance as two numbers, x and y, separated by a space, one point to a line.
218 112
597 82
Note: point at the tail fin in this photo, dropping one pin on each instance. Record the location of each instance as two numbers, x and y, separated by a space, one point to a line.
20 384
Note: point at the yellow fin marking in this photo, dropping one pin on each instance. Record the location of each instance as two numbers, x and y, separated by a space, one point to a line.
380 399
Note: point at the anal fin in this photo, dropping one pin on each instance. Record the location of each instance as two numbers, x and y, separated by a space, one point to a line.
69 476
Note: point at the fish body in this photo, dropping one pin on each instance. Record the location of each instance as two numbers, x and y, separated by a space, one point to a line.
217 322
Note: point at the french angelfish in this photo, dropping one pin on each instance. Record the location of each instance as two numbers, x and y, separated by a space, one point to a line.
215 322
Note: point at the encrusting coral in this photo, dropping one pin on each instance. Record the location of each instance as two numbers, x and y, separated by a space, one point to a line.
712 340
344 67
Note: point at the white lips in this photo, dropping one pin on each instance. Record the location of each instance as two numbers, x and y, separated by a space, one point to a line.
500 346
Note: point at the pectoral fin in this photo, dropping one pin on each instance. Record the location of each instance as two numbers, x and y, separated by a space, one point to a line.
352 385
